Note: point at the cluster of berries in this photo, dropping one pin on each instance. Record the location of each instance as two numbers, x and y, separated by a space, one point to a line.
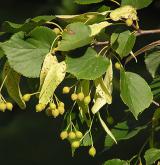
75 138
54 110
77 96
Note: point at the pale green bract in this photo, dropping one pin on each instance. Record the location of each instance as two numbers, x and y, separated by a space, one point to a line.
103 93
97 27
49 61
54 77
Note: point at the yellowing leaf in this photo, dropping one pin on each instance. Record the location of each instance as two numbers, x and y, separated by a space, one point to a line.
49 61
12 84
97 27
124 12
54 77
103 90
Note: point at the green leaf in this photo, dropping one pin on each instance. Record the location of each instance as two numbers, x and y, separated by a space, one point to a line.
122 132
152 155
54 77
26 54
89 66
152 60
123 43
135 92
103 93
75 35
86 2
138 4
27 26
116 162
12 84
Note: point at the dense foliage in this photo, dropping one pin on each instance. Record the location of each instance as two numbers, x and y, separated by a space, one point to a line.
85 59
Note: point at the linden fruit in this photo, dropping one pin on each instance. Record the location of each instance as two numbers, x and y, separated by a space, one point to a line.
26 97
40 107
2 107
66 90
87 100
64 135
61 110
79 134
117 65
57 31
92 151
74 96
80 96
52 106
61 104
55 113
75 144
9 106
129 22
71 135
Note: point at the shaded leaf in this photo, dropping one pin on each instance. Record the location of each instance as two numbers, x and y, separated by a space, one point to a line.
123 43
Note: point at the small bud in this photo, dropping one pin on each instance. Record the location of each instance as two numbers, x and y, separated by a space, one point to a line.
92 151
118 66
71 135
26 97
110 120
57 31
61 110
52 106
55 113
2 107
129 22
66 90
64 135
74 96
61 104
79 134
40 107
75 144
87 100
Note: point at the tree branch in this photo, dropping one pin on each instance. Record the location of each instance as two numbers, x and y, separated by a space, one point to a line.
144 32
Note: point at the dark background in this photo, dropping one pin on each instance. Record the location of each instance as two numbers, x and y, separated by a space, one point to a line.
28 138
